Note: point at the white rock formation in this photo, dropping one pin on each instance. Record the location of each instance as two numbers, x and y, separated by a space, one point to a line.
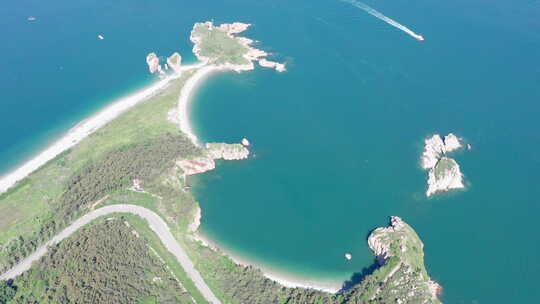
406 276
280 67
433 149
174 61
379 240
445 176
451 143
227 151
153 63
234 28
214 151
196 165
443 172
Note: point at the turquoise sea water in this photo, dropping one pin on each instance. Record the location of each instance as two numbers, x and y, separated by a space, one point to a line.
336 139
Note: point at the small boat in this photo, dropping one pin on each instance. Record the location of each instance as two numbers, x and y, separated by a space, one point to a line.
420 38
100 37
31 18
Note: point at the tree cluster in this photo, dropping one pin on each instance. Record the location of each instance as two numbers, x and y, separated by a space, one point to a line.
103 263
114 170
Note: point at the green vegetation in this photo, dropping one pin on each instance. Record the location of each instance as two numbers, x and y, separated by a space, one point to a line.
142 138
106 262
7 291
165 256
117 169
403 275
219 47
239 284
443 165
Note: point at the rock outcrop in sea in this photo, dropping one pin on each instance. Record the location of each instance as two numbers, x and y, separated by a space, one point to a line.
237 53
214 151
444 173
280 67
153 63
227 151
174 61
402 275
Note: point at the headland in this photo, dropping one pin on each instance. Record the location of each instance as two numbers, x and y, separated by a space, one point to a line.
111 152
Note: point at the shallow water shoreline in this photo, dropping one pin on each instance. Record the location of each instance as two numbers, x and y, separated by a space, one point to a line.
82 130
89 125
276 276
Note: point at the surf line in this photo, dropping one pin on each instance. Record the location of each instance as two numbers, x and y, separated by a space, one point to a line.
382 17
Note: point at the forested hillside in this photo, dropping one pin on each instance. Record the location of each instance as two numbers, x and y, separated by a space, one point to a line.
106 262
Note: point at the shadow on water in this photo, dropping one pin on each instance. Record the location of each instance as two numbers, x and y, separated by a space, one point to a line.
358 277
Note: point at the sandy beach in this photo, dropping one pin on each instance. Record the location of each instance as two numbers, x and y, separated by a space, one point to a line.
98 120
283 279
183 100
82 130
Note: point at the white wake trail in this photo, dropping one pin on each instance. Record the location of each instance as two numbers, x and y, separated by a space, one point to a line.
382 17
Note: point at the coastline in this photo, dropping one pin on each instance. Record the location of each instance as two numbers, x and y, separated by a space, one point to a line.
95 121
110 112
184 100
276 276
89 125
81 130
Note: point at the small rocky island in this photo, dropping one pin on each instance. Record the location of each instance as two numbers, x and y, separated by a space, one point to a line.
402 275
153 63
444 173
220 47
174 61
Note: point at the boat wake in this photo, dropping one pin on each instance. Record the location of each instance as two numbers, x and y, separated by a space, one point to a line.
382 17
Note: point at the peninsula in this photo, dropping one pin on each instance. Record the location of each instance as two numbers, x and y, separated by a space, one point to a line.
444 173
132 158
399 251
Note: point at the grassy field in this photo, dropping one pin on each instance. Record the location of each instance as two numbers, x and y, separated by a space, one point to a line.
217 45
443 165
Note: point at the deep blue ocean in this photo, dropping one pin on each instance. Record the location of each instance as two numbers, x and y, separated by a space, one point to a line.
336 139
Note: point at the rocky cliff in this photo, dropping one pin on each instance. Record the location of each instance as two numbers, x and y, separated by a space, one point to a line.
213 151
196 165
227 151
153 63
445 176
444 173
402 276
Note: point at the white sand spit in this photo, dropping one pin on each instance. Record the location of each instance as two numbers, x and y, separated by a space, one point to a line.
80 131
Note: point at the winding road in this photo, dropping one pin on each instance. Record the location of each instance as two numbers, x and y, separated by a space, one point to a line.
155 222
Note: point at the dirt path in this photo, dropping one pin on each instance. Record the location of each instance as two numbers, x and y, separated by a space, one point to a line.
155 222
